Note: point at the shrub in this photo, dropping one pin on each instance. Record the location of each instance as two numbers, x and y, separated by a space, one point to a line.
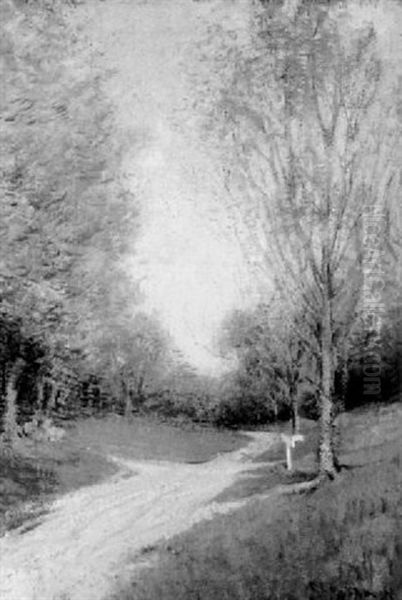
243 410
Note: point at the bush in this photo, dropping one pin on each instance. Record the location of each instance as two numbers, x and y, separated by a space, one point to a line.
244 410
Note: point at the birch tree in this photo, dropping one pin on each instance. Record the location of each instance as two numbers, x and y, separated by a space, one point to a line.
312 141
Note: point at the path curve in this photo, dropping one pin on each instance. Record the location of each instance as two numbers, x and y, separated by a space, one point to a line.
78 551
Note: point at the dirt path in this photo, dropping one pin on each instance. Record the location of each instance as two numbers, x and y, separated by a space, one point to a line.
78 551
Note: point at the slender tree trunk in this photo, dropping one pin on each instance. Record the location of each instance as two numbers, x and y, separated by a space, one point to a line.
295 416
140 392
128 408
295 410
128 403
327 460
40 395
52 400
10 425
3 386
275 407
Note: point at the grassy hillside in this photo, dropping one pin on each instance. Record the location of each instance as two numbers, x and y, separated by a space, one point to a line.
342 542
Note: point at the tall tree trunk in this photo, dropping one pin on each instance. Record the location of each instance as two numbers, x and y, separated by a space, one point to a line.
327 461
10 426
3 388
140 392
274 407
295 416
51 403
128 403
128 407
295 409
40 384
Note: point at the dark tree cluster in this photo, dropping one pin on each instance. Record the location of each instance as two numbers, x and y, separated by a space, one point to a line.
69 310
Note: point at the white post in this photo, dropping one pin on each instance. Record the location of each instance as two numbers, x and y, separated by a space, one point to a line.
290 442
289 463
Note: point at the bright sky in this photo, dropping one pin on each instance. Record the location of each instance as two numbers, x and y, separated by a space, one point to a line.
187 259
188 255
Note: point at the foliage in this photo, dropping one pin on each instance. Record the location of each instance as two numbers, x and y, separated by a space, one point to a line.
66 220
275 374
20 359
131 351
274 368
185 394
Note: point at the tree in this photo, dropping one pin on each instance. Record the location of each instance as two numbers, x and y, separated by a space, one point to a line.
311 160
65 218
126 347
273 361
296 370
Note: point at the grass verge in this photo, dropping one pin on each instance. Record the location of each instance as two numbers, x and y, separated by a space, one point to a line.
342 542
143 438
36 472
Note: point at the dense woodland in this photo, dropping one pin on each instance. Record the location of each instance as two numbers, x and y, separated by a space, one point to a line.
67 315
305 111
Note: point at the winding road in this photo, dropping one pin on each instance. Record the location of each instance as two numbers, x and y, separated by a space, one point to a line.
82 547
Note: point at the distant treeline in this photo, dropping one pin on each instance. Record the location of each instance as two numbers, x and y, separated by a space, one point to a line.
50 385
